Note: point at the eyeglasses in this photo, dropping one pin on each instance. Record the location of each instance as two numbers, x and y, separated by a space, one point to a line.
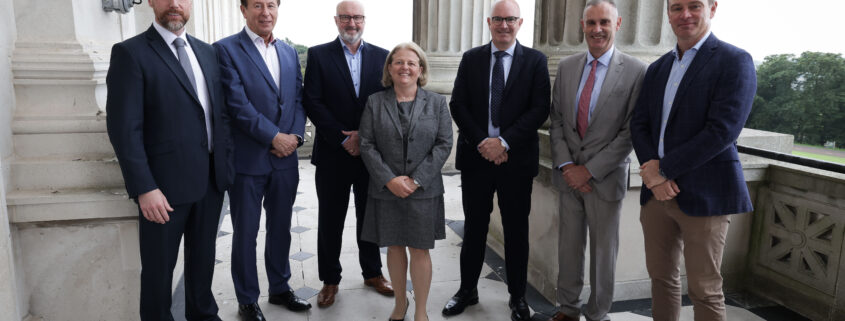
510 20
345 18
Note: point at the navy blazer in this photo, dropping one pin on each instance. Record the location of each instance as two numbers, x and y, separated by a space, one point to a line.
710 109
330 100
525 107
157 125
259 109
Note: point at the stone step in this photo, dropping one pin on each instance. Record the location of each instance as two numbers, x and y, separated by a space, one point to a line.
47 205
70 145
50 173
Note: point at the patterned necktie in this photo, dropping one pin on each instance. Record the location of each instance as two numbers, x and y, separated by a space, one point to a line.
497 87
584 101
185 61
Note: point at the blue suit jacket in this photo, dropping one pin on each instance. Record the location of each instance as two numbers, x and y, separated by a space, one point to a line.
710 109
259 110
157 125
525 107
330 96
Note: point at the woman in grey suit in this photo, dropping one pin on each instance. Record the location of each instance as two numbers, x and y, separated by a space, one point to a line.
406 136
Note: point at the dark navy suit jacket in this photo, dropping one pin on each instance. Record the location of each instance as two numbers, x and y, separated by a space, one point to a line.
525 107
710 109
157 125
330 99
258 108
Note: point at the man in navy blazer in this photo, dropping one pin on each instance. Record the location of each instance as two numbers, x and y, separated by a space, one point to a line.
340 76
498 150
166 122
263 86
693 104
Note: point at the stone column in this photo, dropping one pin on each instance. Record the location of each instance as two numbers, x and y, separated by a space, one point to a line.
9 298
645 31
445 29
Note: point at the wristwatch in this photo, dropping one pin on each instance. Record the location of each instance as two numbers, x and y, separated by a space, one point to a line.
417 182
299 141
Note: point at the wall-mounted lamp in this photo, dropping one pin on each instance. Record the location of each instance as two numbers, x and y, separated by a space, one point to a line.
121 6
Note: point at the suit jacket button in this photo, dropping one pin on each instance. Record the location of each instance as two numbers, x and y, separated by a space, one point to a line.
409 161
582 149
410 139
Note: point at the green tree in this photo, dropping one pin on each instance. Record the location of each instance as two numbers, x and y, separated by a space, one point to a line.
803 96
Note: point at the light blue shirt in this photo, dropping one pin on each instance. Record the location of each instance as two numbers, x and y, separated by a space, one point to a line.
601 72
507 61
679 68
353 61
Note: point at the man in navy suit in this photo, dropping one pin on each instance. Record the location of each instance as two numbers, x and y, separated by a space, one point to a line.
340 76
692 107
166 122
263 85
500 100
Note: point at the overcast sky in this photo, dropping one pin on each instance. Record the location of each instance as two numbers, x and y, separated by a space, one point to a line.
763 27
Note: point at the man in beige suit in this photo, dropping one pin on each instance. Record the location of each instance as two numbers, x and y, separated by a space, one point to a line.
593 97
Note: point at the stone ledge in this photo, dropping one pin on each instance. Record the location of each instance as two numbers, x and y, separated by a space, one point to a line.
58 125
71 204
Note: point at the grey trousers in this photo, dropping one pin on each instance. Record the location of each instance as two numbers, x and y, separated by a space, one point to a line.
582 215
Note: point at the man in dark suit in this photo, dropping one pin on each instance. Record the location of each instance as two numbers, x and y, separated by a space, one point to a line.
500 100
171 136
339 78
693 105
263 85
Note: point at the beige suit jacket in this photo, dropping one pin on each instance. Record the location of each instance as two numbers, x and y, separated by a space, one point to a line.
606 144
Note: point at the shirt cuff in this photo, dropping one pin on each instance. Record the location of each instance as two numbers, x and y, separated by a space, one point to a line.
344 140
560 167
507 147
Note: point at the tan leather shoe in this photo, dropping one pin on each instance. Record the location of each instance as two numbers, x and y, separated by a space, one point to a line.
380 284
326 296
562 317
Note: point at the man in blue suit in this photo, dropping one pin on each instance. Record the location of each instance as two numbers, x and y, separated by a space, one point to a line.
693 105
263 86
166 122
340 76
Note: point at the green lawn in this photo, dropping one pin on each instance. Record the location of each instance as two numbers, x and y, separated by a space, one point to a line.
819 146
832 159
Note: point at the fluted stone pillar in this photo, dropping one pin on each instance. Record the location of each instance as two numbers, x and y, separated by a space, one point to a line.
645 31
445 29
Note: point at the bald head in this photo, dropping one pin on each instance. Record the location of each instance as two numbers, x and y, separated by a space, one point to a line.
509 4
343 6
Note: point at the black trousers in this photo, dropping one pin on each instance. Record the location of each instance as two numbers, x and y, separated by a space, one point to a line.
160 249
333 184
514 196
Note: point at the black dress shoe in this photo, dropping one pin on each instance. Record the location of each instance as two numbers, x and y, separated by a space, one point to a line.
519 309
460 301
407 305
250 312
290 300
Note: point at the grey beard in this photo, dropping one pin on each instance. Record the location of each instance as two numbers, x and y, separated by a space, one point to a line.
174 26
349 38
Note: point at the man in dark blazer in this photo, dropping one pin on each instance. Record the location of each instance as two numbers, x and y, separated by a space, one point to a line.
263 86
166 122
339 78
500 100
693 105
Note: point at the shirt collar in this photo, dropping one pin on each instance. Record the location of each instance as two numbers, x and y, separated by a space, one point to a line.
509 50
346 48
168 35
697 45
256 38
604 59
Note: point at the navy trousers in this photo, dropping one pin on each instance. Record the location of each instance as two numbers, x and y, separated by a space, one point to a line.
277 192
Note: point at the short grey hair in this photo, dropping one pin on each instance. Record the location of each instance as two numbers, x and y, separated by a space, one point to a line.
593 3
709 2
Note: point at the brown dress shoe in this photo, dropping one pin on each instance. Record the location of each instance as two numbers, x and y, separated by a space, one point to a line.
562 317
380 284
326 296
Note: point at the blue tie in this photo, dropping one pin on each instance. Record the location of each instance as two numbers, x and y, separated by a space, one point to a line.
497 87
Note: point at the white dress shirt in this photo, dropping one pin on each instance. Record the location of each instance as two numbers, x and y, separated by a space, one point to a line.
268 53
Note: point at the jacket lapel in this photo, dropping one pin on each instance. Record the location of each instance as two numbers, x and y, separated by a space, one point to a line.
249 48
516 67
339 58
389 106
573 81
702 57
419 104
611 78
164 52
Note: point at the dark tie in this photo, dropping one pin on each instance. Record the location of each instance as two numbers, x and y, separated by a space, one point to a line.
497 87
185 61
584 101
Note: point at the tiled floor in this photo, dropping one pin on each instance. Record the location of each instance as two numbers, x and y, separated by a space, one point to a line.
355 301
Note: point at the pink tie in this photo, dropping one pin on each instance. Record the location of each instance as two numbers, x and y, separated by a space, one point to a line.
584 101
